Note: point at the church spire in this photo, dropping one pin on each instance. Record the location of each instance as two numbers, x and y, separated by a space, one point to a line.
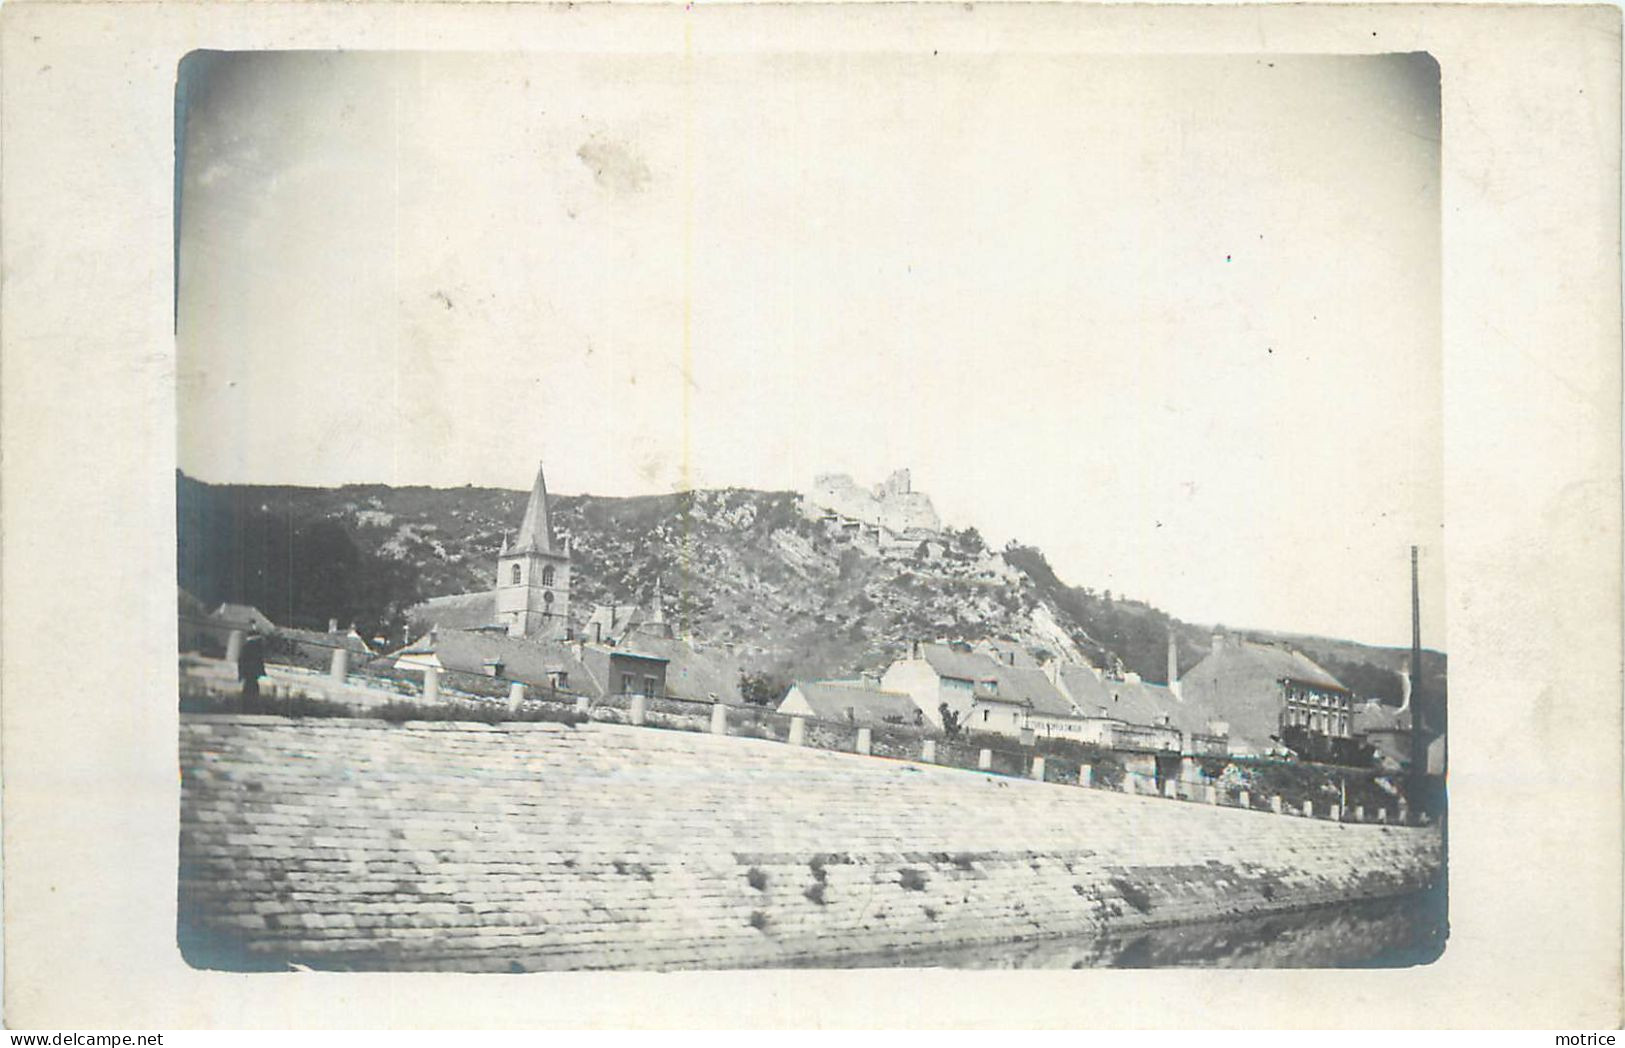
536 533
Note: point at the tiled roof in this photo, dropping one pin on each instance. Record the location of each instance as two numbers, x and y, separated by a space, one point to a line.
1032 688
960 665
529 661
1238 683
870 707
460 611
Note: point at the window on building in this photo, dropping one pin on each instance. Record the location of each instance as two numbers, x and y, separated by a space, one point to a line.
629 684
984 716
649 686
547 575
516 578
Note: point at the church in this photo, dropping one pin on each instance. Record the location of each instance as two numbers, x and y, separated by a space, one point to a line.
521 629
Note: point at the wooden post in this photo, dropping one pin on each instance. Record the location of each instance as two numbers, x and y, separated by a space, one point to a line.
928 751
719 719
798 731
1210 794
1170 788
1359 813
1309 809
866 740
1336 814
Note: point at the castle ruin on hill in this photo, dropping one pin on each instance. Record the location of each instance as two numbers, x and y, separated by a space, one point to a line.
889 516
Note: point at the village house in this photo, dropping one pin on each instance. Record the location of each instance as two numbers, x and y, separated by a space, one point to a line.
985 694
855 702
1121 713
1259 690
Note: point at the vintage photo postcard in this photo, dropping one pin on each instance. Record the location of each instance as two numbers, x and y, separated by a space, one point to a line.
780 495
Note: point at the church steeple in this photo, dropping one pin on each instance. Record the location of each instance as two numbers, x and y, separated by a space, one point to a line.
533 574
536 532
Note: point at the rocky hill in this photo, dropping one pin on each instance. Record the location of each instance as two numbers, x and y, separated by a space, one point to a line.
740 569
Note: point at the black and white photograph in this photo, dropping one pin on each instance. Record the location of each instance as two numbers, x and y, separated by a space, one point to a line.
893 521
881 510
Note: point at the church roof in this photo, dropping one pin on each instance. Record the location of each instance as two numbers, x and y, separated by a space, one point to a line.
536 531
463 611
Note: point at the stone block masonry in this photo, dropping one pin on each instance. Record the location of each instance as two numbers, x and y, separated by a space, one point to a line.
529 847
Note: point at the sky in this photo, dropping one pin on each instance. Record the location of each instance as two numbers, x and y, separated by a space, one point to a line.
1173 319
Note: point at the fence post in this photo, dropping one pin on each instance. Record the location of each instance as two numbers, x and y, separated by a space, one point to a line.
1244 799
1210 794
234 646
866 740
1336 814
431 684
928 751
1309 809
719 719
1275 804
1170 788
1086 775
1382 814
583 705
640 709
339 667
516 696
1038 768
798 731
1359 813
1404 811
984 760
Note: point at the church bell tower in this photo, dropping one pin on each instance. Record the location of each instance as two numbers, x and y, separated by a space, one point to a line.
533 575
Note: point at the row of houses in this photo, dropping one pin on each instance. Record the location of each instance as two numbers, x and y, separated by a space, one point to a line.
1243 699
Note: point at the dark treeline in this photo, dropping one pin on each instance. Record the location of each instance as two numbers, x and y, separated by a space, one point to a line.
234 545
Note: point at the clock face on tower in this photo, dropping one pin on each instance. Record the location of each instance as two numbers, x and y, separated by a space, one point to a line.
548 597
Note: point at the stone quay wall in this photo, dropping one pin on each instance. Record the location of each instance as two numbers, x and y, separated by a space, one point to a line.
340 843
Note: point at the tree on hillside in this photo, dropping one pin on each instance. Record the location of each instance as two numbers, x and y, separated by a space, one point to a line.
950 721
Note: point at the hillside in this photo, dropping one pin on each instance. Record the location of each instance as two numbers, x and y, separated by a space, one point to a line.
741 569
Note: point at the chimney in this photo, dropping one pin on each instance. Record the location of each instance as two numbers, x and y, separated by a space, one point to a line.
597 632
1173 660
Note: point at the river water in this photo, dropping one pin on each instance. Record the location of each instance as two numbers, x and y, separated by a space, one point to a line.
1383 933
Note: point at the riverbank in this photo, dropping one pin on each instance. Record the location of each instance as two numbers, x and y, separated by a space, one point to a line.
525 847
